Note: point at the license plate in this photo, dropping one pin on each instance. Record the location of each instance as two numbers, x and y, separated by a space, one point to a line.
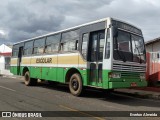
133 84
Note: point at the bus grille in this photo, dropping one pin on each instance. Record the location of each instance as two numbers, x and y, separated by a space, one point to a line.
130 75
129 68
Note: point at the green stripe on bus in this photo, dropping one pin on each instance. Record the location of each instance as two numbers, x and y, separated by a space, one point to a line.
58 74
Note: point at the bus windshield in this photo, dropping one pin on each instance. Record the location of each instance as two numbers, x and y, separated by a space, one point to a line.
129 47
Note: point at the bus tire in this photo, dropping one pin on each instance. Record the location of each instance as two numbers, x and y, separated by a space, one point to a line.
75 84
28 80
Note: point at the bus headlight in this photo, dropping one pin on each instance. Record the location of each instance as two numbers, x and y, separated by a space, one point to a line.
115 75
142 76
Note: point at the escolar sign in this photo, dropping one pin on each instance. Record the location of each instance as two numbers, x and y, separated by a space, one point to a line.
44 60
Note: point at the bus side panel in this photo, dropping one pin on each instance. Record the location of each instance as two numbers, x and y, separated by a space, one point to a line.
83 70
25 62
21 70
105 79
84 76
49 73
35 72
49 70
60 75
13 67
66 61
45 72
35 68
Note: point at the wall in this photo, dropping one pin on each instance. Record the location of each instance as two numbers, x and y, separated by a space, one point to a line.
1 64
153 47
4 68
153 62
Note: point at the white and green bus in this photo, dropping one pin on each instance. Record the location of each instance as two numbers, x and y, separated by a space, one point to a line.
107 54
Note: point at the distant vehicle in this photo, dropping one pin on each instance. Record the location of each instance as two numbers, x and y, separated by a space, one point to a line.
106 54
153 68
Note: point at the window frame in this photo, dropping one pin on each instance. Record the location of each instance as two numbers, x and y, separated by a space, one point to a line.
28 48
15 49
38 47
108 40
75 40
53 43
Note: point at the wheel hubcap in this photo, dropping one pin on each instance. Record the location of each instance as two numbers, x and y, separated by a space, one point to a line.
75 84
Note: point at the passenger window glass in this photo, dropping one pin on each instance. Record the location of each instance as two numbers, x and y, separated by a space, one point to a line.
71 35
39 46
70 41
52 43
15 50
101 45
72 46
84 45
48 49
66 46
94 39
28 46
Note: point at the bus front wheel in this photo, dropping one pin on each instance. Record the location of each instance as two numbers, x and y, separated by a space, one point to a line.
28 80
75 84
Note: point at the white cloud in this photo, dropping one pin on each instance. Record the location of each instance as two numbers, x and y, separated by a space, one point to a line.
3 34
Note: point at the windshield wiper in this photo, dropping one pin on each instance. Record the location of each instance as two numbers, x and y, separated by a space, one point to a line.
123 58
140 61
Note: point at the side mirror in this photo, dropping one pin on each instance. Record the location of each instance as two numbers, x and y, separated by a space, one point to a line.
158 55
115 31
76 45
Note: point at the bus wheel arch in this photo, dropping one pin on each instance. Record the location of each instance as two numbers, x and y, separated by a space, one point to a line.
27 79
69 73
74 78
25 69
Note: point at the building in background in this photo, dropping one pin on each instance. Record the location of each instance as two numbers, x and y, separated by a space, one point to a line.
153 61
153 45
5 56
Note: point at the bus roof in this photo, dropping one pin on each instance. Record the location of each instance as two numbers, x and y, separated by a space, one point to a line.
71 28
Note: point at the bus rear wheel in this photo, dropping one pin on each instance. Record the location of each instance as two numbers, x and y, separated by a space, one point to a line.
75 84
28 80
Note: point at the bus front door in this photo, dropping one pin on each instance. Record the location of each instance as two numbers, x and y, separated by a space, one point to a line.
96 45
20 52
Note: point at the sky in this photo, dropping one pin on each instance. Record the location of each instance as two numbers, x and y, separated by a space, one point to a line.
24 19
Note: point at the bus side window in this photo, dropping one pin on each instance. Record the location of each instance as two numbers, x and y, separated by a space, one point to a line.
70 45
69 40
28 48
52 43
39 46
101 45
15 50
65 46
84 45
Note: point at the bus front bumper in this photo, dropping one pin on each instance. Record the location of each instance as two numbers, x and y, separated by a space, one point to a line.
114 85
